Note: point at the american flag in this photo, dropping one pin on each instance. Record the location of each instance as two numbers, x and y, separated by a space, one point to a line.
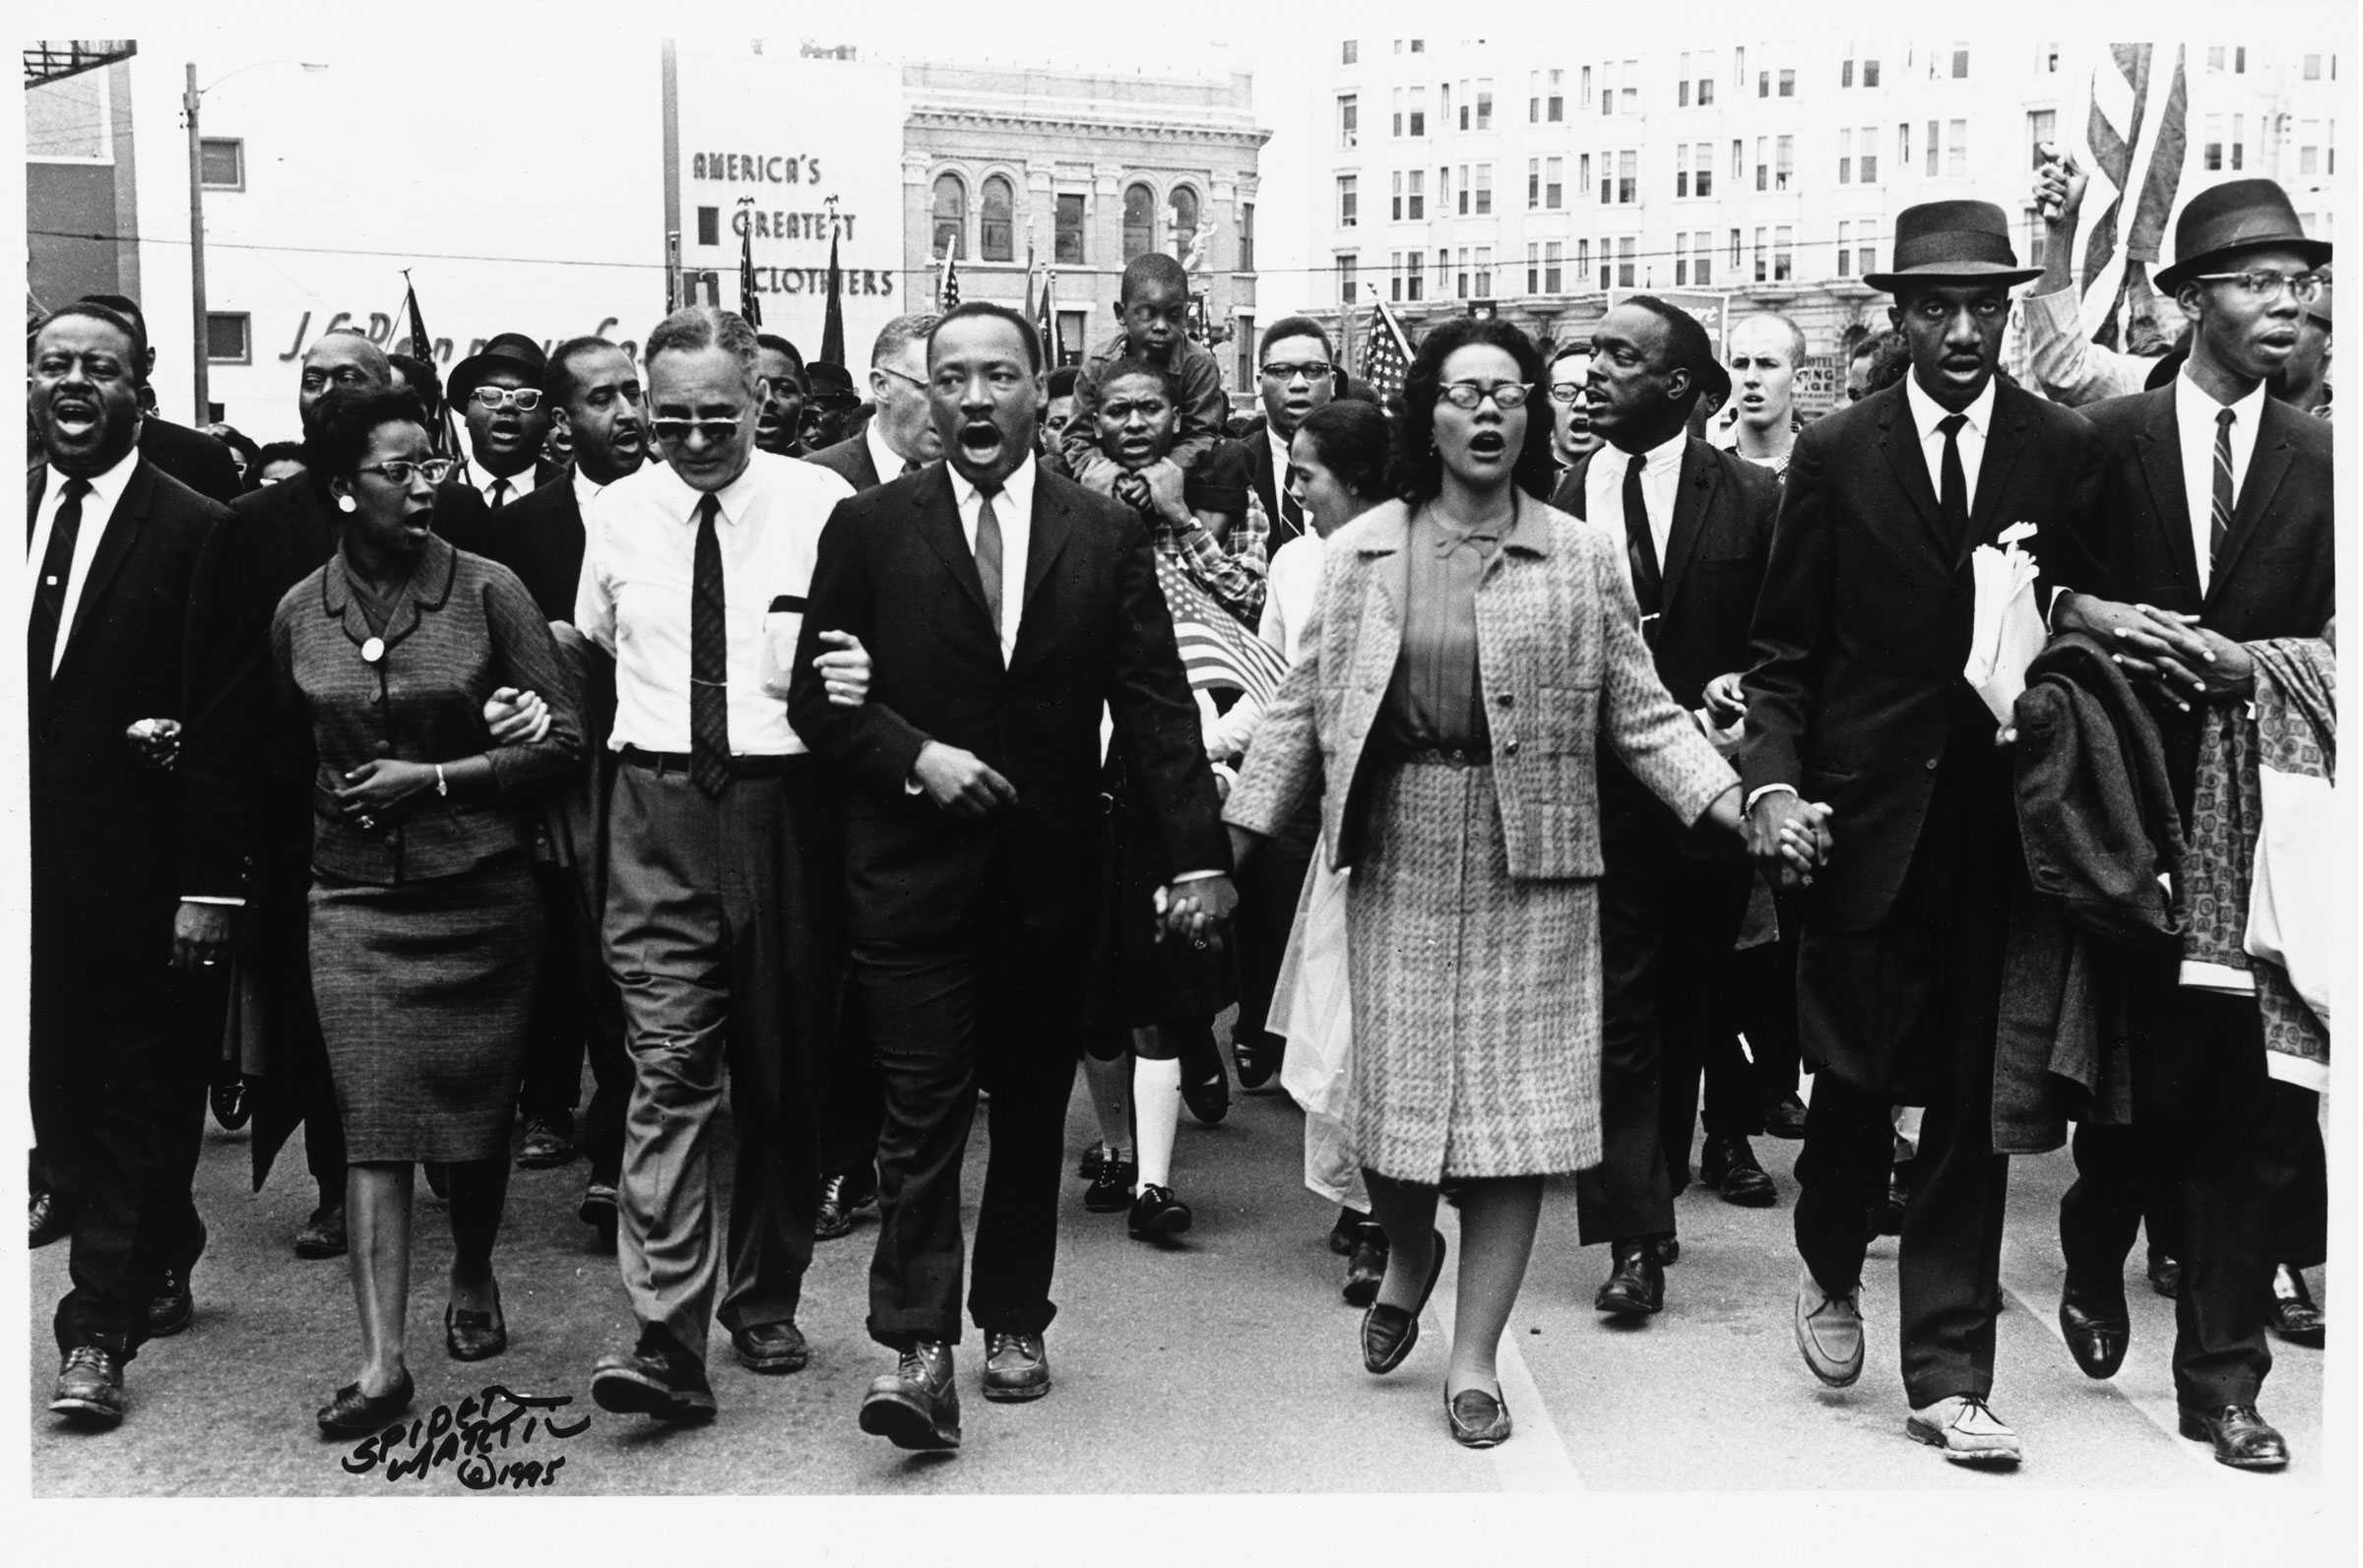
1385 354
1218 653
948 292
749 304
2139 140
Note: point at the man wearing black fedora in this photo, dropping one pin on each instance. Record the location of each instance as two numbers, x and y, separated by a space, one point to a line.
1857 701
2212 529
497 392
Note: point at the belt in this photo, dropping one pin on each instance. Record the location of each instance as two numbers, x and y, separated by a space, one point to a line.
1446 757
777 765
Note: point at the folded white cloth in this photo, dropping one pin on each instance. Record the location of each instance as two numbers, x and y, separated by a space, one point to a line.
2006 631
1312 1008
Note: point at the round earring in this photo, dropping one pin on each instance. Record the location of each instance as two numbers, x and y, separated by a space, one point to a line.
345 503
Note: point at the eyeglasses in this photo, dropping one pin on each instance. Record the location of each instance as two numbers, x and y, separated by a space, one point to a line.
400 470
1565 391
2265 283
1468 394
525 399
900 376
1311 370
716 430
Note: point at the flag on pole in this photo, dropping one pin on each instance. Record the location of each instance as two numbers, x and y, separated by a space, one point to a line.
1046 320
445 438
947 291
2138 137
1385 354
1030 316
832 321
748 305
1218 653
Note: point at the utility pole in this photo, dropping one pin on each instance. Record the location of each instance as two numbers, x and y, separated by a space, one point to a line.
200 339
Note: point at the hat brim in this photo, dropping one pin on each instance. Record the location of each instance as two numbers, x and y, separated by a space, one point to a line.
1952 273
460 384
2315 252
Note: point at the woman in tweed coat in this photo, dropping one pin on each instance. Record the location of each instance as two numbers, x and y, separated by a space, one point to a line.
1472 648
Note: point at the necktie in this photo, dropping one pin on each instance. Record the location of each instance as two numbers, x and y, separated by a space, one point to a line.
1292 516
709 659
988 557
500 494
2219 509
1640 547
50 594
910 464
1953 495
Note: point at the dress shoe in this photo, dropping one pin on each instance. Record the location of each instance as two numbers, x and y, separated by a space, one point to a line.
655 1377
771 1348
1965 1430
476 1335
597 1210
1256 1060
915 1405
2241 1437
1017 1367
1667 1251
1157 1212
1478 1418
1111 1191
172 1306
1209 1099
1636 1282
2294 1315
353 1413
1346 1229
323 1234
49 1217
233 1105
1093 1160
1729 1166
2165 1275
1899 1198
842 1197
1389 1332
1784 1117
547 1143
1829 1331
1366 1266
90 1387
2097 1326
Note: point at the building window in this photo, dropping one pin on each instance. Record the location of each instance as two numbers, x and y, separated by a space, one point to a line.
1346 269
2047 59
1702 264
1534 97
1788 84
2240 61
1072 324
1444 189
1782 254
1247 236
1867 251
1394 275
1554 108
1552 169
1735 251
996 242
1681 263
1243 368
1350 53
1419 45
1869 72
2042 125
1413 282
1349 119
2313 68
1587 80
1607 89
1764 84
1706 92
1419 111
1398 111
1484 189
1460 275
227 340
1738 160
1485 272
1534 267
1628 178
1845 258
1681 169
1415 206
709 226
1763 162
1867 171
1785 160
1904 147
1553 256
1846 72
1706 185
1067 242
1534 184
2038 248
2239 136
2307 161
1182 211
1625 253
1349 200
1845 158
2215 59
1760 261
1583 259
1485 104
1960 61
1140 220
1935 150
1956 149
223 160
2211 149
951 215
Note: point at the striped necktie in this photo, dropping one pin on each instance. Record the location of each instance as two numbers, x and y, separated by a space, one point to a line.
709 658
2219 507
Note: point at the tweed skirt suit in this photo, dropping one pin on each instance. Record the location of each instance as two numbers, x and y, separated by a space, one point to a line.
1473 914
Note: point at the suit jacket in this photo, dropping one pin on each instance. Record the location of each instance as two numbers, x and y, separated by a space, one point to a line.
463 516
107 829
850 459
895 569
1256 441
1856 696
1561 666
540 539
204 465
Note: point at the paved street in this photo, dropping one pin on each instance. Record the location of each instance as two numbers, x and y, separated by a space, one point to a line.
1227 1364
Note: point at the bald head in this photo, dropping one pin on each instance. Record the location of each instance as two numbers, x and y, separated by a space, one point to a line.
1765 353
340 360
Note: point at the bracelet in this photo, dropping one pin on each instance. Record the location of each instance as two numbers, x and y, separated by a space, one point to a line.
442 784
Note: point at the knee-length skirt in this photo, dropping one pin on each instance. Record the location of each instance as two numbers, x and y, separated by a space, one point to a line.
1476 995
424 991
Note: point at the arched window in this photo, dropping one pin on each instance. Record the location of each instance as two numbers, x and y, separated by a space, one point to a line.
1140 220
951 216
1184 206
995 244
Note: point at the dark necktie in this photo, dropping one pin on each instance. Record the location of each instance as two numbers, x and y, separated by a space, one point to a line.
911 464
2219 509
989 557
500 494
1953 495
709 659
1292 516
1640 547
47 620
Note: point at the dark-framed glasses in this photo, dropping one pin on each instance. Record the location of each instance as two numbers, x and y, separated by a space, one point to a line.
1469 394
682 429
400 470
2263 283
525 399
1310 370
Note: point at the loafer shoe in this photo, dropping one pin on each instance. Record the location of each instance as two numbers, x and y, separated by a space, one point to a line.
2097 1329
1111 1191
172 1306
915 1405
545 1146
2165 1275
1366 1266
323 1234
2242 1438
1966 1430
1478 1417
90 1387
1829 1332
48 1218
1157 1212
598 1211
1017 1367
654 1378
1208 1099
350 1413
1389 1332
771 1348
1636 1282
1784 1118
469 1336
1730 1167
2294 1316
1256 1060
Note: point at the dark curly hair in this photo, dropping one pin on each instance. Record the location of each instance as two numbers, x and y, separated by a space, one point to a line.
342 423
1417 473
1351 440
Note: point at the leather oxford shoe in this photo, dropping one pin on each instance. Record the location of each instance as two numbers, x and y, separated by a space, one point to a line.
1256 1059
1785 1118
1636 1282
1366 1266
1111 1191
1389 1332
1729 1166
172 1306
1157 1212
1966 1430
2165 1275
90 1387
350 1413
1093 1160
2097 1327
2241 1437
655 1377
1017 1367
915 1405
770 1347
2294 1315
547 1143
1829 1331
598 1211
323 1234
843 1197
1209 1099
49 1217
1667 1251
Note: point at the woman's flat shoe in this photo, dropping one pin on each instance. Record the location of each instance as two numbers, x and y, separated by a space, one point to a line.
476 1335
1387 1332
353 1413
1479 1419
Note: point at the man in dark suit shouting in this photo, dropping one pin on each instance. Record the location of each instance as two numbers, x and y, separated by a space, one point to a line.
118 1085
1003 607
1697 525
2212 529
1858 700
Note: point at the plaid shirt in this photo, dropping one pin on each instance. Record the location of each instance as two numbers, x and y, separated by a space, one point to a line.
1230 569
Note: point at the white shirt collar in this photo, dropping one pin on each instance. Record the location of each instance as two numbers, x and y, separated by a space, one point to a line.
882 457
1667 454
106 489
585 487
734 496
2195 404
1016 493
1928 413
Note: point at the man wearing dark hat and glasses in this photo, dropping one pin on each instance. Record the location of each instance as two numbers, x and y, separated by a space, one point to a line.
1858 701
498 394
2211 531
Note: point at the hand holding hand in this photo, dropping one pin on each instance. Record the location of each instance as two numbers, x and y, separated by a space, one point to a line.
155 741
1724 703
2170 652
845 670
201 935
1788 839
959 782
1196 909
1134 490
516 718
1165 498
377 787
